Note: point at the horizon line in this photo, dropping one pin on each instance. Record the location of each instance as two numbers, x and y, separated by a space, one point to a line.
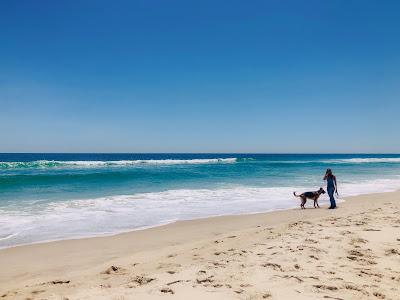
269 153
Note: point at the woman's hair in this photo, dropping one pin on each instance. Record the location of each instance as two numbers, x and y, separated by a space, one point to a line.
329 172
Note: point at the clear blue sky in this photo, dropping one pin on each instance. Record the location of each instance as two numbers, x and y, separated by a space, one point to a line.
200 76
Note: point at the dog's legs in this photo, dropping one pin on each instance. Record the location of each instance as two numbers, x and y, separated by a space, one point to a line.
303 202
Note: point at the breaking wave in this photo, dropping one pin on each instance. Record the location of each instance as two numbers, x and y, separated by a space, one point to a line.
365 160
112 163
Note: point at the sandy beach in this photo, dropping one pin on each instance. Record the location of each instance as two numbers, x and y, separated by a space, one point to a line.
166 149
349 253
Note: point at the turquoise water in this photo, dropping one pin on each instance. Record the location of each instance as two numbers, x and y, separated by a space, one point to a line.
56 196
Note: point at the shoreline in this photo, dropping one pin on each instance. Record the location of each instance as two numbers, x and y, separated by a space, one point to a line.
28 265
177 223
107 235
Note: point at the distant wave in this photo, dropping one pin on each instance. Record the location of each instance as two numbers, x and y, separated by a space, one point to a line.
340 161
43 164
364 160
95 163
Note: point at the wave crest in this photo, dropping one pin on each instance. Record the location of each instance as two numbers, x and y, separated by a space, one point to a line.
364 160
111 163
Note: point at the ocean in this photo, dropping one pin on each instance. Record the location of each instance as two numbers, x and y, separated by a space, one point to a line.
46 197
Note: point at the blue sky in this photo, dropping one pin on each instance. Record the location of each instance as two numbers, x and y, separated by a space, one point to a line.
199 76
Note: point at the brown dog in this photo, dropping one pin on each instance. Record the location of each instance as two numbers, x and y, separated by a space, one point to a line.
310 195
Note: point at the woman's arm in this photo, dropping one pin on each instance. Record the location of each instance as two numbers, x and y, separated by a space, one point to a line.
334 180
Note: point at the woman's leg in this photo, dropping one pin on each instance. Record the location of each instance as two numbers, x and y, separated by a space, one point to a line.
331 191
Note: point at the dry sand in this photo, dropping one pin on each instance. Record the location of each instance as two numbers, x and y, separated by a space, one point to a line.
349 253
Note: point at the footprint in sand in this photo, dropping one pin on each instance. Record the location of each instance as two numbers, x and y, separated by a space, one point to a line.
379 295
367 261
167 290
355 288
266 295
35 292
325 287
310 241
59 282
205 279
358 241
371 274
274 266
217 264
392 252
9 294
168 265
355 253
197 257
139 280
114 270
313 277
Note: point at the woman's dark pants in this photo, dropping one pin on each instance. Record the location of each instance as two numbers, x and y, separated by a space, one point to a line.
331 190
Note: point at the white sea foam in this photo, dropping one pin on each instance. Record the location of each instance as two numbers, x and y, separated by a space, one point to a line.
341 161
365 160
96 163
149 161
108 215
43 164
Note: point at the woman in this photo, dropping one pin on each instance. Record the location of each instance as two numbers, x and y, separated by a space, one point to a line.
331 187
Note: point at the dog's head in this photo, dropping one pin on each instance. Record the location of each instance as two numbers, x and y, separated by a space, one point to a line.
321 191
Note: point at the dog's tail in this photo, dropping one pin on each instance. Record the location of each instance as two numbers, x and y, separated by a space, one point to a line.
294 193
